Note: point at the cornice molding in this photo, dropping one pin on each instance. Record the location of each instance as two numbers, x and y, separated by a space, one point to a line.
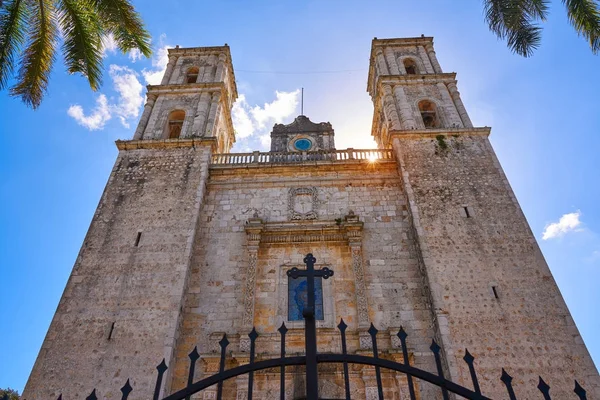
432 133
183 88
126 145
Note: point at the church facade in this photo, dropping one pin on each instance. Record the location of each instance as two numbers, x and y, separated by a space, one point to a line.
190 242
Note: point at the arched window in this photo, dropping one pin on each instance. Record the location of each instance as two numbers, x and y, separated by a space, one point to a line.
410 66
429 114
174 124
192 75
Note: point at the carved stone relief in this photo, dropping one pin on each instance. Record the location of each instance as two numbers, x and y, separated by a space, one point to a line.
361 297
302 203
249 292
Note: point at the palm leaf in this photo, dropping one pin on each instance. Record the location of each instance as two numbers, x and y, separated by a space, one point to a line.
584 15
37 60
515 22
81 48
13 20
120 18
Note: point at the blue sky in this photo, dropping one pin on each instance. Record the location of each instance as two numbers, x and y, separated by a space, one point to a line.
544 114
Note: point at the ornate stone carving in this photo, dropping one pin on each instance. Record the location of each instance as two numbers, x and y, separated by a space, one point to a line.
361 292
248 318
302 203
365 342
245 344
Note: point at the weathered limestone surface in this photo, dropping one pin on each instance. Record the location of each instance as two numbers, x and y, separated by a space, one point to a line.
139 288
528 329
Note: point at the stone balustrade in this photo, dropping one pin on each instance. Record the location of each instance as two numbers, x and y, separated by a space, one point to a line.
347 155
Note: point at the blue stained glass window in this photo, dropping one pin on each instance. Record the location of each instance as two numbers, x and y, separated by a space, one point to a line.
297 298
302 144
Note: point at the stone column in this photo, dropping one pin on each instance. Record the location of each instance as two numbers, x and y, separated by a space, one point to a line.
433 58
199 126
253 229
391 60
452 118
390 107
406 113
219 75
354 233
169 70
212 115
139 132
380 59
176 72
460 107
425 60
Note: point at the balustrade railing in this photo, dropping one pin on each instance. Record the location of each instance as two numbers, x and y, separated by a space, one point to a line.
257 157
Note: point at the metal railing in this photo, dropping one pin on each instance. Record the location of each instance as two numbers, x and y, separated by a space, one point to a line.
275 157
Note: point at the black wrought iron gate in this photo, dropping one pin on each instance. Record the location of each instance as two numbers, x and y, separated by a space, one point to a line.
312 358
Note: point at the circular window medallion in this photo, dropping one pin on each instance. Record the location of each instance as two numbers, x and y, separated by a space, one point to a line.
302 144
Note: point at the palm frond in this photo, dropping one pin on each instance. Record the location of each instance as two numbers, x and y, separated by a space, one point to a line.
515 22
36 62
13 27
82 31
584 15
120 18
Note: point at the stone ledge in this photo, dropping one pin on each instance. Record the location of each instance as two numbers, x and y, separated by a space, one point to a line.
432 133
166 143
286 169
185 87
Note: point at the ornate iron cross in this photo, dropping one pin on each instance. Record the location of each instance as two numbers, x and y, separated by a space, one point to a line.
310 326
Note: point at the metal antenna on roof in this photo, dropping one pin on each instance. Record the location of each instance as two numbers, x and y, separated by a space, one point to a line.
302 103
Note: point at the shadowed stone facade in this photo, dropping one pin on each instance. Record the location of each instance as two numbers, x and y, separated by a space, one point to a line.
190 242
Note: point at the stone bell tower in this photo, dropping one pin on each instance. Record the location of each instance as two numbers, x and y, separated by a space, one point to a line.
194 98
488 283
121 309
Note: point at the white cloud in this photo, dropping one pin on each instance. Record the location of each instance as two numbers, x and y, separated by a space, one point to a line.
97 119
160 59
248 120
135 54
127 106
130 90
241 118
567 223
275 112
109 44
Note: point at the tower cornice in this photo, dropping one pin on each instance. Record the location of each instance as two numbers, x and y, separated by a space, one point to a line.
449 77
432 133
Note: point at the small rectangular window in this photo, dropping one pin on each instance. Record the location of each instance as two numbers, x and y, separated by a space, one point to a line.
495 292
137 239
297 298
110 332
467 213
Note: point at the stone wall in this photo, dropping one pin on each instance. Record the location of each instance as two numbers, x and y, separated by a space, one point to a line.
119 313
216 293
492 290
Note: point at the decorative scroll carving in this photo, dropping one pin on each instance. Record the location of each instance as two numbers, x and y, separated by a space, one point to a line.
361 295
250 285
302 203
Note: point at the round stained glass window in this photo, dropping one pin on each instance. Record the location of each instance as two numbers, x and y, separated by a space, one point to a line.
303 144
